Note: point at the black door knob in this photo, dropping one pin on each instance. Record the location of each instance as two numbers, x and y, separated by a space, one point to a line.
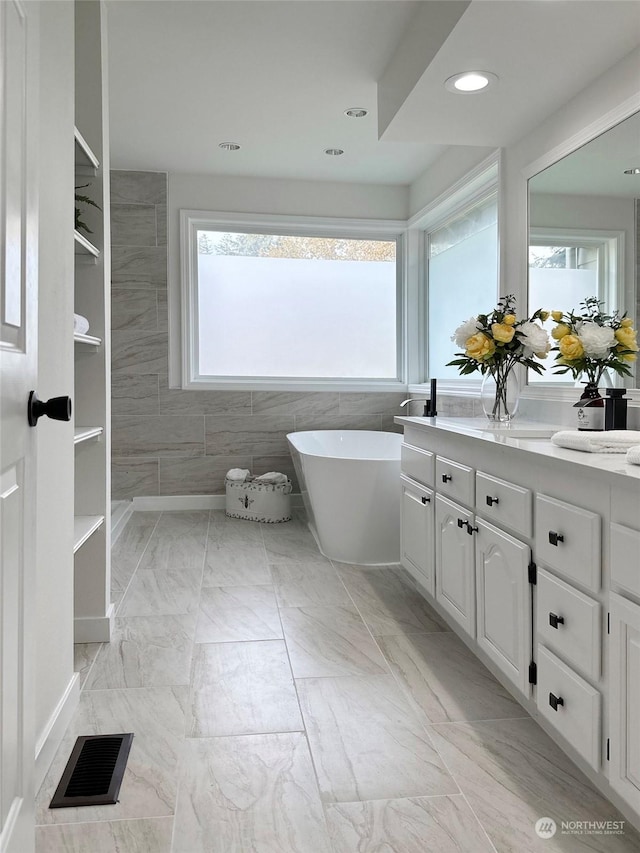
57 408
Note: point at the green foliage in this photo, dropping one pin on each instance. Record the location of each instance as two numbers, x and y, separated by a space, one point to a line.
83 199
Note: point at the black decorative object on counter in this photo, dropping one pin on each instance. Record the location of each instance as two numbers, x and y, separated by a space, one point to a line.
590 408
615 409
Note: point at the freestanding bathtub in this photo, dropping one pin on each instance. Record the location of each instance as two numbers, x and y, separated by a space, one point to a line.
350 484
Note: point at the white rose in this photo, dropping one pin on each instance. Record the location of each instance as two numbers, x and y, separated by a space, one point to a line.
534 339
596 340
464 331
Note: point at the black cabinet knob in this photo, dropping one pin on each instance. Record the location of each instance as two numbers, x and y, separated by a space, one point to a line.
491 501
554 620
554 538
446 478
425 500
554 701
57 408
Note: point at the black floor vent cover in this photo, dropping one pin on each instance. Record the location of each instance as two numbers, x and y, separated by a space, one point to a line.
94 772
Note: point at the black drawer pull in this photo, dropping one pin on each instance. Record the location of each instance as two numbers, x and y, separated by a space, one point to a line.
425 500
491 501
554 620
461 522
554 537
471 530
554 701
446 478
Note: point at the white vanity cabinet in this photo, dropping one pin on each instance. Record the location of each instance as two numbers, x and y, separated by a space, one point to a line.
455 565
416 532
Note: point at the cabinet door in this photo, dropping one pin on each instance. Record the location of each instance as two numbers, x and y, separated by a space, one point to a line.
624 667
416 548
504 601
455 576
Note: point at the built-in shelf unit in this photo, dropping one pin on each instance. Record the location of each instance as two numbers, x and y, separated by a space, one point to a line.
92 545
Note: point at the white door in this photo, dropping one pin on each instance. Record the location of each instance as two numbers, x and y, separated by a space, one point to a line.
504 601
18 370
624 669
416 533
455 576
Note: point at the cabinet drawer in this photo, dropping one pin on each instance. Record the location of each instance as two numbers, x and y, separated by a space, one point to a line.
455 480
417 464
625 547
568 540
570 704
504 502
577 634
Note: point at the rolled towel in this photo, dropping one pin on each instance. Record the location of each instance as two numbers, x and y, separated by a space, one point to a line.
238 475
272 477
607 441
633 455
80 324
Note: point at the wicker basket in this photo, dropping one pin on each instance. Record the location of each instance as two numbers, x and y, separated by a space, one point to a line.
269 503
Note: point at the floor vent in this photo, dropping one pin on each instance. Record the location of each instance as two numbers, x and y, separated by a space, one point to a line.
94 772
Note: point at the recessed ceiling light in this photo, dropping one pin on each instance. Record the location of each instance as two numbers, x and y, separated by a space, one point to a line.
229 146
334 152
470 82
632 171
356 112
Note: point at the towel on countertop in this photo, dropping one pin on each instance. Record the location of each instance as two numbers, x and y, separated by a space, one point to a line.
238 475
607 441
272 477
80 324
633 455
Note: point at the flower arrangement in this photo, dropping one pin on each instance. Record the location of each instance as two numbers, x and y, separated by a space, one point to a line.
494 343
591 342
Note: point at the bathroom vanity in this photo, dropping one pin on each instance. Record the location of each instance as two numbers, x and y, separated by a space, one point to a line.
531 553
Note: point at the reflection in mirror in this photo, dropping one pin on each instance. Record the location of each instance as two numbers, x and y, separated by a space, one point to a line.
583 238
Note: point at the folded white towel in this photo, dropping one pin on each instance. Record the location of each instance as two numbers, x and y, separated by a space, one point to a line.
238 475
607 441
80 324
271 477
633 455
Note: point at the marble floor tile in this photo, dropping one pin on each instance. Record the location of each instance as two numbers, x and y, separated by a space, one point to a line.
191 522
164 593
438 824
513 774
156 716
241 794
292 548
173 548
234 613
446 682
230 563
367 743
152 835
145 651
387 602
242 688
84 654
302 584
128 550
299 523
330 641
235 530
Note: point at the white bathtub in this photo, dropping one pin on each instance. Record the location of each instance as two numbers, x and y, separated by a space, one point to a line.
350 484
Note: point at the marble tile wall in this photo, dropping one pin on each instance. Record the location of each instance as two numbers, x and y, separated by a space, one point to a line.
174 442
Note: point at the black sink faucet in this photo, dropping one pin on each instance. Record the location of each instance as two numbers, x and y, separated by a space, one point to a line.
429 402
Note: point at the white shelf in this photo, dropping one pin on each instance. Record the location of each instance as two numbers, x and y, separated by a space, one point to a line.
84 246
86 160
83 527
81 434
89 340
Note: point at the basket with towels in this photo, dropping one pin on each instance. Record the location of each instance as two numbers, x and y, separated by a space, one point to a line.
609 441
265 498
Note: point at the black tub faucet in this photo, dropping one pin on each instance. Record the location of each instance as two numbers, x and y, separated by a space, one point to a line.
429 402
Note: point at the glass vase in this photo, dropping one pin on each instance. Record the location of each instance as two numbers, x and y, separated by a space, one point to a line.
500 395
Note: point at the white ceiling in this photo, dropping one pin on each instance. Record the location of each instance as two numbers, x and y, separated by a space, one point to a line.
275 76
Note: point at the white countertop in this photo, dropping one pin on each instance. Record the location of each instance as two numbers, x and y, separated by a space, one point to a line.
528 436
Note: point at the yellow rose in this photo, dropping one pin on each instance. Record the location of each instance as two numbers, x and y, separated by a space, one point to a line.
509 319
557 316
544 316
629 356
479 347
570 347
560 331
626 322
502 332
627 337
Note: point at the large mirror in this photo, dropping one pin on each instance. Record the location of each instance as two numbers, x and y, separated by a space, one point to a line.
583 232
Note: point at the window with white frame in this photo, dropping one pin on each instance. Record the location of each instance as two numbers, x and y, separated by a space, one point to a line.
290 302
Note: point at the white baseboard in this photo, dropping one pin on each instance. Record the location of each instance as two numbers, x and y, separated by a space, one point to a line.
50 739
119 520
94 629
158 503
